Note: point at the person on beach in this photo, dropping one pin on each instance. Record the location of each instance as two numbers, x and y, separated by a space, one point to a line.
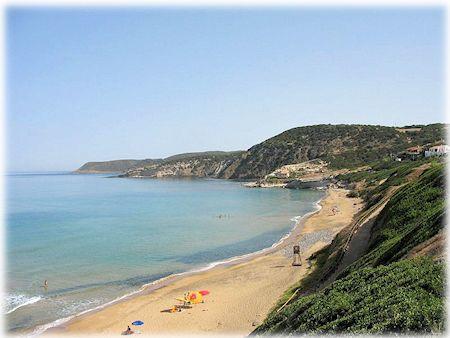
128 331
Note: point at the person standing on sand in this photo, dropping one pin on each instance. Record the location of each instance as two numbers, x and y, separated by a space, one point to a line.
128 331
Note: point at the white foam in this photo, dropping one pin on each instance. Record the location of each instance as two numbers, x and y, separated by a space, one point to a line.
14 302
297 219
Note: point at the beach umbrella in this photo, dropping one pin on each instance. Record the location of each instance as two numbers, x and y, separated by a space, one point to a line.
138 323
204 292
195 297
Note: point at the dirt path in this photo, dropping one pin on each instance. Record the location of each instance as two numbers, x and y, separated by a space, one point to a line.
358 239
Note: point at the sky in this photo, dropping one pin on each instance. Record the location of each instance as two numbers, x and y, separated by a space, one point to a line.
98 84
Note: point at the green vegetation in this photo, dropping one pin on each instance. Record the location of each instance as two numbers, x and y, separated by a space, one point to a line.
216 155
274 180
380 176
150 165
342 146
402 297
382 291
112 166
381 170
413 215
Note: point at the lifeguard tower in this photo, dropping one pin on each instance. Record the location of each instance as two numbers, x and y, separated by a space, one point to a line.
297 259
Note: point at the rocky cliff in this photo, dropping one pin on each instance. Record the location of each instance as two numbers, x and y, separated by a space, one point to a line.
207 164
341 146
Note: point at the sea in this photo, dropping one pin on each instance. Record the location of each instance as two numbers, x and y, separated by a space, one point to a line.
97 238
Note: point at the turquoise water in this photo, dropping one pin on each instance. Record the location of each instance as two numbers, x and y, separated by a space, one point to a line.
96 238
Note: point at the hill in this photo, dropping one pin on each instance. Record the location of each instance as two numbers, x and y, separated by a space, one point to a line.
342 146
396 283
143 166
111 166
204 154
204 164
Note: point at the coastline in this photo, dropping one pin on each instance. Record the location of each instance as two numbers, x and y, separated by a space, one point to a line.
256 263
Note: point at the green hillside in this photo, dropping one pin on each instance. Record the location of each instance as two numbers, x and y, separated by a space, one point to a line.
390 288
343 146
112 166
412 216
205 158
219 155
402 297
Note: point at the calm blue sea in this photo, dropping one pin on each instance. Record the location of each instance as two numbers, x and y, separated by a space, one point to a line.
96 238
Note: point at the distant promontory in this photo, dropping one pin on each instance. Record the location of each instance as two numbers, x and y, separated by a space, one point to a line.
339 146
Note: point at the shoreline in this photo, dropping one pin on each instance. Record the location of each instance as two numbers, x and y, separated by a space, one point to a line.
75 324
164 281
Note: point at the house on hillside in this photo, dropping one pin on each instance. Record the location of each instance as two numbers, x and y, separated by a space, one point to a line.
414 152
439 150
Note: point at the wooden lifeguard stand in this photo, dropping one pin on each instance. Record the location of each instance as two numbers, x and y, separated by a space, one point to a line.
297 259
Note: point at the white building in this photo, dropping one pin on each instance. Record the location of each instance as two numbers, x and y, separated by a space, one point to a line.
437 150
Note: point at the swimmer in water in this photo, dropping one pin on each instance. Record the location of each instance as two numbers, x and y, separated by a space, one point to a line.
45 286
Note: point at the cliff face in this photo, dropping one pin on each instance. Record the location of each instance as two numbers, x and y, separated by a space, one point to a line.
313 173
341 146
209 164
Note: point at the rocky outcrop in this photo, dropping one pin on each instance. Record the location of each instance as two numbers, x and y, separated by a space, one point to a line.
209 164
305 170
342 146
308 184
309 174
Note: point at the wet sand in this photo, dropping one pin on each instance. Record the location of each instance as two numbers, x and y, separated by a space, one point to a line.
241 293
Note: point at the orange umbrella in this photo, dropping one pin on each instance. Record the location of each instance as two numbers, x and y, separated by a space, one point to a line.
195 297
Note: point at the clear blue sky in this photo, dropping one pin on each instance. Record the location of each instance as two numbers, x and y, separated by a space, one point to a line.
100 84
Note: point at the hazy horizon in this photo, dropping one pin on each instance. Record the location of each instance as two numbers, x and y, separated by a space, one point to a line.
154 158
104 84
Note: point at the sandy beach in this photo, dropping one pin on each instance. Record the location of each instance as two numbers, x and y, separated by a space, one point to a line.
241 294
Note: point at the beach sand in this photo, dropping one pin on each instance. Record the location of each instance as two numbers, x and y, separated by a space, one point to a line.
241 294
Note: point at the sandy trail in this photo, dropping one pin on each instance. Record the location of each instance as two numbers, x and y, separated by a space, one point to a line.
241 294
